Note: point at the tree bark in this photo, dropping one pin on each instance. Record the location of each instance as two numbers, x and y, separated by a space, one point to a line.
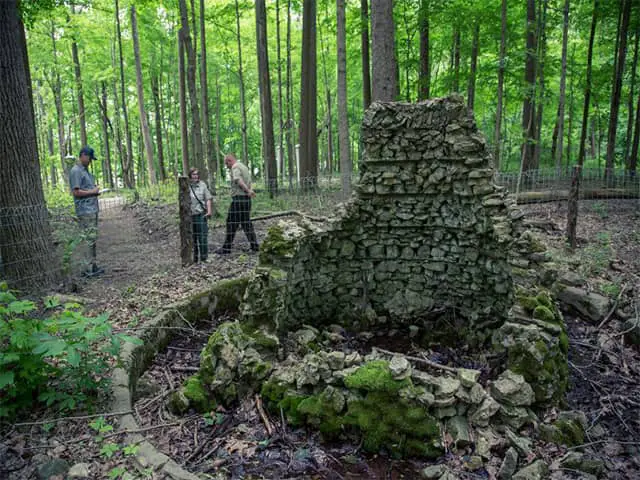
364 47
471 90
144 122
559 130
633 160
290 135
56 88
456 59
425 68
78 78
629 135
266 106
328 123
501 69
343 120
204 97
26 246
127 162
617 89
106 162
184 135
159 122
196 127
542 53
528 108
383 56
308 105
587 87
243 106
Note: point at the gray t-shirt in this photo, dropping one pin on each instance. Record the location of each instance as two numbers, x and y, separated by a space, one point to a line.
79 177
199 193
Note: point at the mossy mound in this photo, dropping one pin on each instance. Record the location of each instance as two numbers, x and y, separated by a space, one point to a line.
368 402
568 429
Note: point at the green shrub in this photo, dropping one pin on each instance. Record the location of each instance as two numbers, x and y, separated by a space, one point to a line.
61 361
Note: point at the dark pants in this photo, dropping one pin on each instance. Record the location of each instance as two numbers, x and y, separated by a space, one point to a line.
200 240
240 216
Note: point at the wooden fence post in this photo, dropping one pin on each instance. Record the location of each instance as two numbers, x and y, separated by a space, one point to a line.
572 206
186 238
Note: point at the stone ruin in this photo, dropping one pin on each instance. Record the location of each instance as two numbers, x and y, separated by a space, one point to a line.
426 236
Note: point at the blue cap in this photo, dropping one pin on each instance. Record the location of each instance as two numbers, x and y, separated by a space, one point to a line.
87 150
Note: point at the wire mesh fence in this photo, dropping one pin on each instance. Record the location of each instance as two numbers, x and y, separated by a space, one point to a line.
138 234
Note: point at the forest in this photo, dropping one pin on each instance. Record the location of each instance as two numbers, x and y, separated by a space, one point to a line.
557 76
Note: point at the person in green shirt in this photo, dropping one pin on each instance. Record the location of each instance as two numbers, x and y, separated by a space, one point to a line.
239 214
201 209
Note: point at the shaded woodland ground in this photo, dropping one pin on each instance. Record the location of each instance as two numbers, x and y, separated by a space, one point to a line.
138 246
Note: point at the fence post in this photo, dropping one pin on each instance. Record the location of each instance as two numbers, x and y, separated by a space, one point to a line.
572 207
184 204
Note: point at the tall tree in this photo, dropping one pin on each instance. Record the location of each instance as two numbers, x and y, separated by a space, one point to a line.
127 162
456 59
280 112
196 126
587 86
144 122
290 136
528 107
26 246
343 120
101 96
243 106
557 154
184 134
157 107
328 122
308 94
80 93
540 90
56 87
266 106
364 48
204 98
425 67
385 86
475 46
632 86
501 68
617 89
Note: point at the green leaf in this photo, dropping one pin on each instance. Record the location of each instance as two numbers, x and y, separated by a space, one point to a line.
130 339
21 306
6 378
51 348
73 357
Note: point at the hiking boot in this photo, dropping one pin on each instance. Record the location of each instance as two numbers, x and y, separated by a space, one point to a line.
223 251
255 248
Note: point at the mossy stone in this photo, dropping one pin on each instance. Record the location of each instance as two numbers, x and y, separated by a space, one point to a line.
196 393
544 313
375 376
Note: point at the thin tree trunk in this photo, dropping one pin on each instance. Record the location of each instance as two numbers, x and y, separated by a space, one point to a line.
385 85
144 122
204 95
571 110
471 90
308 107
456 59
290 136
542 53
217 142
184 135
528 108
329 118
343 120
159 121
196 128
587 87
116 116
127 164
243 106
633 160
617 89
56 88
629 136
280 113
559 130
425 67
106 162
266 106
364 47
78 78
501 69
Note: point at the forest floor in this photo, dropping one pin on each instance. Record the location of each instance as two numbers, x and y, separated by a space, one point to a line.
138 247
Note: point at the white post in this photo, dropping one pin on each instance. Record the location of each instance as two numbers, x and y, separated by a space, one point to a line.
298 162
278 160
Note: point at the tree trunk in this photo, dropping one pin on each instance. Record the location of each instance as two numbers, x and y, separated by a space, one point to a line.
266 106
106 161
364 46
329 117
528 108
204 97
280 113
383 51
196 129
542 53
78 77
559 130
26 246
587 87
243 106
343 120
217 142
56 88
571 110
127 163
471 90
116 115
290 136
308 94
501 69
629 136
159 121
144 122
633 160
425 68
617 89
184 135
456 59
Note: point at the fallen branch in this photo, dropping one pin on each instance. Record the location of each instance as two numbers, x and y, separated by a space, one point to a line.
424 361
613 308
186 368
263 415
63 419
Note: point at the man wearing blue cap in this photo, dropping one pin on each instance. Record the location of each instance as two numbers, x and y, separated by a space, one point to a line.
85 198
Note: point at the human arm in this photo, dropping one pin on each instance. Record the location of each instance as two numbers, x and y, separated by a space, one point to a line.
209 208
245 188
80 193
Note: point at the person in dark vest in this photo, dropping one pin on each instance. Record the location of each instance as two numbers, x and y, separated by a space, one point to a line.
201 209
85 199
239 214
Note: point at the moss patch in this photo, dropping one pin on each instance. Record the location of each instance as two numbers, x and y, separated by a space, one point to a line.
375 376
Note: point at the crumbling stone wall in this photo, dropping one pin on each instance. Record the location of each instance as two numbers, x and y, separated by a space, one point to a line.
426 228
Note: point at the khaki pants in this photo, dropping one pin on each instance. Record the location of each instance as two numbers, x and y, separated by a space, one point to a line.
89 235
